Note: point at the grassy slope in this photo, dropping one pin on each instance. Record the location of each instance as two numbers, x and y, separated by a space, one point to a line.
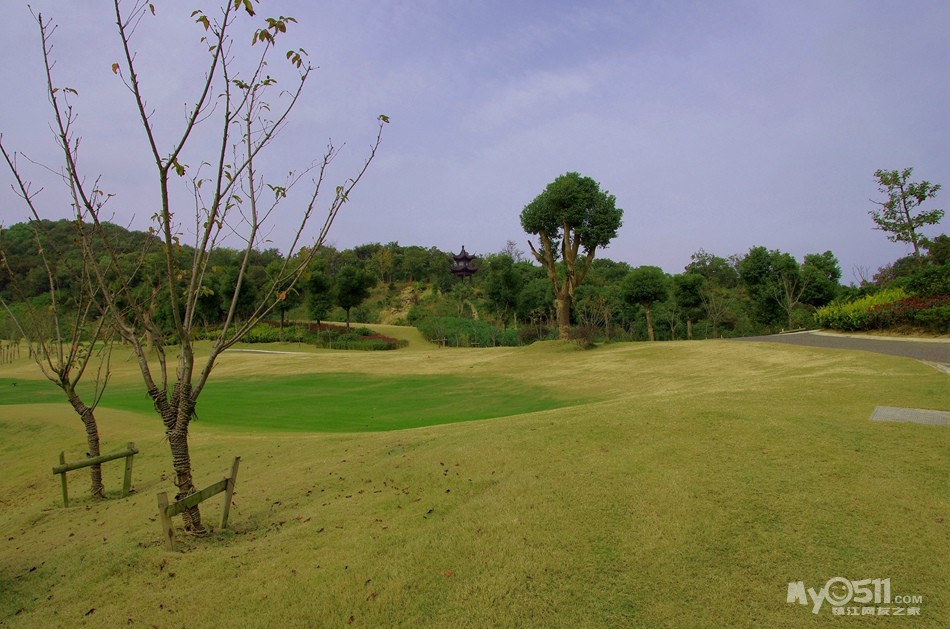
330 402
704 478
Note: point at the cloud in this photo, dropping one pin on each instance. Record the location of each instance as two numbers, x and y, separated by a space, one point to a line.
530 97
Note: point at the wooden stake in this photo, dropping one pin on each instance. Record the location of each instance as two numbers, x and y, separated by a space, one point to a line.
127 480
229 492
168 529
62 476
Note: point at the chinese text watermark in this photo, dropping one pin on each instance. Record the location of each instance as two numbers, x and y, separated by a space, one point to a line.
864 597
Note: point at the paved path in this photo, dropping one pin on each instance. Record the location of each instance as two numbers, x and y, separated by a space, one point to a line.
930 350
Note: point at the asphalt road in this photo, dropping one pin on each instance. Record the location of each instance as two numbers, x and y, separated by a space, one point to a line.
935 351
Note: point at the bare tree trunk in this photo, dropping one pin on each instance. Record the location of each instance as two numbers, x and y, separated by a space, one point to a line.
689 329
563 303
181 460
88 418
176 415
650 335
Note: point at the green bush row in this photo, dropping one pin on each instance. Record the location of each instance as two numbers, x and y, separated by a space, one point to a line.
458 332
887 309
930 313
936 319
330 338
858 314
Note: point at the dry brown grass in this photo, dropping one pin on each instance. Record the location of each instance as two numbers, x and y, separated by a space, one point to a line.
702 479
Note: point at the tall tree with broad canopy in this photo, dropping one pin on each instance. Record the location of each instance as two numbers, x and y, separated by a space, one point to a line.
778 285
352 288
687 292
319 295
571 217
821 276
900 215
237 101
645 285
717 270
503 282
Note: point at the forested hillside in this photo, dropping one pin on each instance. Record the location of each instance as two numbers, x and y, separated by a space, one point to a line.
509 300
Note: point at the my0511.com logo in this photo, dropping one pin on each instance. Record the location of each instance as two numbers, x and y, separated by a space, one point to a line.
864 597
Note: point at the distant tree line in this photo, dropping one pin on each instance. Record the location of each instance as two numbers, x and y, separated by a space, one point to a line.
761 291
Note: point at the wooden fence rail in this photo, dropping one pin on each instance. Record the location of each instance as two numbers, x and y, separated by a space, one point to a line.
127 454
167 511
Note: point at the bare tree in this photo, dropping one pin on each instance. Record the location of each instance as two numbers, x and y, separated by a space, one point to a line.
228 198
673 315
65 337
788 291
715 304
861 273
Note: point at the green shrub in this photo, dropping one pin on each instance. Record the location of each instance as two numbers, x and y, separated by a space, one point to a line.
924 311
858 314
327 337
930 281
584 335
528 334
888 309
262 333
459 332
935 319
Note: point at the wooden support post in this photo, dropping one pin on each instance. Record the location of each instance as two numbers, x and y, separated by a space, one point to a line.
62 476
69 467
127 479
229 491
64 467
166 510
168 529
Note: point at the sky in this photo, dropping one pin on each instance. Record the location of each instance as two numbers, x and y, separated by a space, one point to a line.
716 125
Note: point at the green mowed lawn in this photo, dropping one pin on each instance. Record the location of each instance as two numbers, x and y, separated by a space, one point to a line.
350 402
658 485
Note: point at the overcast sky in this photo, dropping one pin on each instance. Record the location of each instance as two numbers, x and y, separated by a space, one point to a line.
717 125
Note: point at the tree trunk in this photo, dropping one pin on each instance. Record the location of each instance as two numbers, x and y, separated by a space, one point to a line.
910 227
347 319
176 415
97 488
650 336
689 329
86 414
563 303
181 460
